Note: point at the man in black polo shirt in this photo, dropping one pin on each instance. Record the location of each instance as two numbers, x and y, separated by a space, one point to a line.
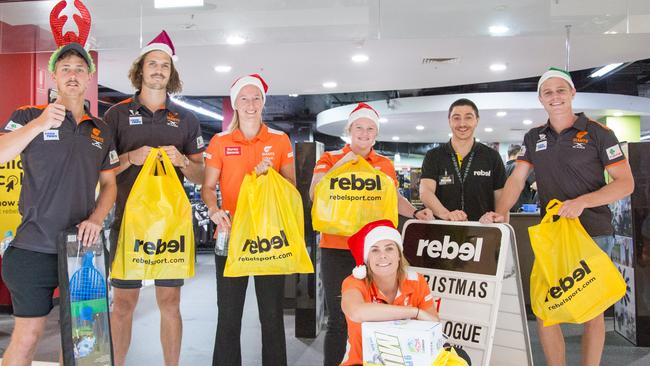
570 154
65 151
461 178
150 119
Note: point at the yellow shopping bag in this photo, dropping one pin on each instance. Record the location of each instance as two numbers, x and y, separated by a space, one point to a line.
449 357
572 280
267 235
351 196
156 238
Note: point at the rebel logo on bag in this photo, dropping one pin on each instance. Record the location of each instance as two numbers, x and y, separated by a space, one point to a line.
567 283
160 246
262 245
356 184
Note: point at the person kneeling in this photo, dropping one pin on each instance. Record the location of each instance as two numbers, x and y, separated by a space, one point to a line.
381 287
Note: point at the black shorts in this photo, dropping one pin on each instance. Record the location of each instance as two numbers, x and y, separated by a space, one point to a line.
31 278
131 284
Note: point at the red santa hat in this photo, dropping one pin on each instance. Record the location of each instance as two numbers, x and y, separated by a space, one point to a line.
361 242
362 110
252 79
162 42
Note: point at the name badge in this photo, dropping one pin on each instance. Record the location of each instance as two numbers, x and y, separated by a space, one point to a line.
135 120
51 135
446 180
541 145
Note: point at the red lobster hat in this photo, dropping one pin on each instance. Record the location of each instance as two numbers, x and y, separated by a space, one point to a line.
70 40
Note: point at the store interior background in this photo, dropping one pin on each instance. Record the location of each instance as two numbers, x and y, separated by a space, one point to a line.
420 56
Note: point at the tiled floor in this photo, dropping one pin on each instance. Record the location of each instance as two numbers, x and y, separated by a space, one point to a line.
199 314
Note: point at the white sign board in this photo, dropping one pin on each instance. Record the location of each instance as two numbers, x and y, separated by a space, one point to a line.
465 265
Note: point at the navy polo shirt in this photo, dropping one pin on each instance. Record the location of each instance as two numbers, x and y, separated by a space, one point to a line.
572 163
485 173
134 126
61 170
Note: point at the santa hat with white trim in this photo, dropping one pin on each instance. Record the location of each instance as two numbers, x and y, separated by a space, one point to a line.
252 79
555 72
362 110
162 42
361 242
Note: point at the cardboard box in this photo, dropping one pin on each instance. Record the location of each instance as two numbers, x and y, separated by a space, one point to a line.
401 342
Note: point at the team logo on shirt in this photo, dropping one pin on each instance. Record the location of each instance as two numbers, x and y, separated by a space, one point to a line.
199 142
580 138
12 126
267 152
482 173
172 119
96 140
135 118
522 152
614 152
232 150
542 136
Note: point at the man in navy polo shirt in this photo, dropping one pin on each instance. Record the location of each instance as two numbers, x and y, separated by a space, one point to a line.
150 119
570 154
65 151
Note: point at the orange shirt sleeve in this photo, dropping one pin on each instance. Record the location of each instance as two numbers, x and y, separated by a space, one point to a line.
212 154
424 295
324 164
387 167
352 283
287 152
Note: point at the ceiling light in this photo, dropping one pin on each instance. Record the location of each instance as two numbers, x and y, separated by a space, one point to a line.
197 109
477 139
498 67
235 40
498 30
395 138
383 120
611 32
527 122
502 113
163 4
419 127
645 137
618 114
330 84
293 95
450 134
222 68
488 129
605 70
360 58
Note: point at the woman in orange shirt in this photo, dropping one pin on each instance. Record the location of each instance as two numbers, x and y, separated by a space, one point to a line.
381 287
336 261
247 145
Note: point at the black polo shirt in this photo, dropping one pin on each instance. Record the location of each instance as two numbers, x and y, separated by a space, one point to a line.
572 163
134 126
483 171
61 170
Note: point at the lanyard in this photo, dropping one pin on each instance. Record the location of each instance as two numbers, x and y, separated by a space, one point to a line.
463 176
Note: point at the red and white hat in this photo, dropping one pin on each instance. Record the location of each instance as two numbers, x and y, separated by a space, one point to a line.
162 42
362 110
361 242
252 79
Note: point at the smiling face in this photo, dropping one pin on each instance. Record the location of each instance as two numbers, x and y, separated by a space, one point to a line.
71 76
363 132
249 104
384 258
156 69
556 95
463 122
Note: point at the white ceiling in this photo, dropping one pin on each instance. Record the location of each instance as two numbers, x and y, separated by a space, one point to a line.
298 44
404 114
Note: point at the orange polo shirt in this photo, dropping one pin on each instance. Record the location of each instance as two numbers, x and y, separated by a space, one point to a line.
413 291
235 157
326 162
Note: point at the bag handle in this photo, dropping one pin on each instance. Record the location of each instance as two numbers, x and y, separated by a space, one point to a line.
552 209
150 162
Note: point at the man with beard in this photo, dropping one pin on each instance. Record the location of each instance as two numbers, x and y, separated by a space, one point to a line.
462 178
150 119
